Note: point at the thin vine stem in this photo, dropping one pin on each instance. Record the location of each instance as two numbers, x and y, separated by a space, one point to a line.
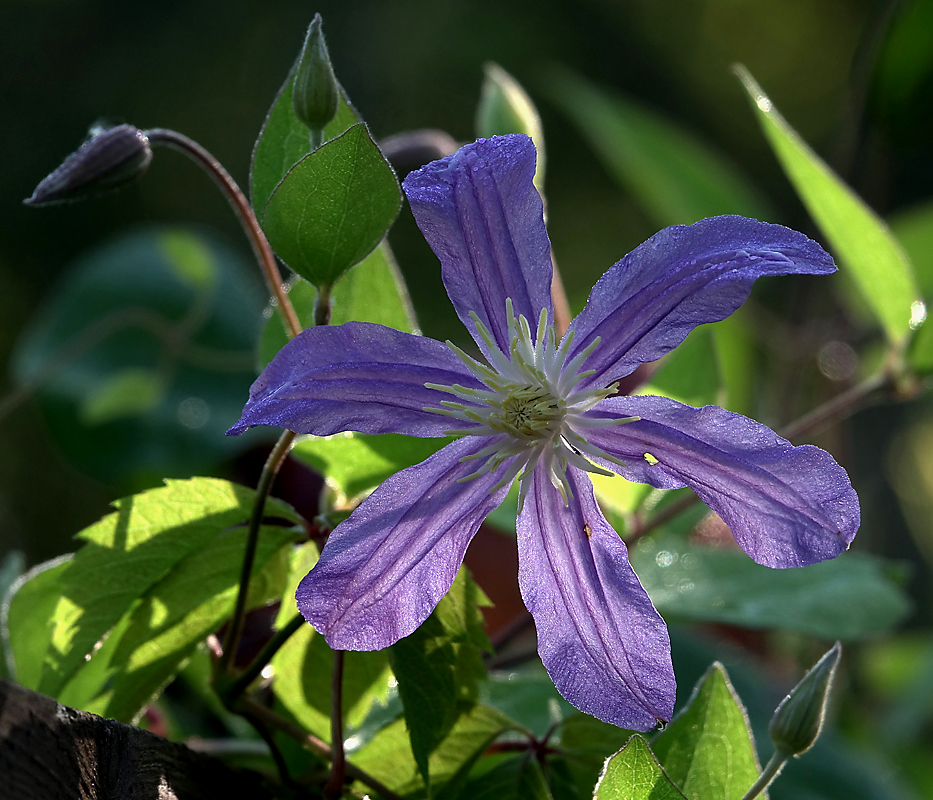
245 678
768 774
338 770
310 742
244 212
269 472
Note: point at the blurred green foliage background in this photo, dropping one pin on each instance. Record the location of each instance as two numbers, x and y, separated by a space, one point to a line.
854 77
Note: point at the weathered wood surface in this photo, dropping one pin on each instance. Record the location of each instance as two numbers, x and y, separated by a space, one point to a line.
51 752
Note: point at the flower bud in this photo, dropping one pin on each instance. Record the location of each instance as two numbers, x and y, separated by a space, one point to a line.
504 107
107 160
797 721
315 94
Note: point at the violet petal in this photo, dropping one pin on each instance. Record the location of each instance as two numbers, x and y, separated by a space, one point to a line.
683 276
787 506
483 218
384 568
356 377
603 644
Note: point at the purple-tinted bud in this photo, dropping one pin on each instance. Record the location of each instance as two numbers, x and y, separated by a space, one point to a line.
107 160
797 721
315 94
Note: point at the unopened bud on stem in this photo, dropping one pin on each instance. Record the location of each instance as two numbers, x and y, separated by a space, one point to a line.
107 160
797 721
315 93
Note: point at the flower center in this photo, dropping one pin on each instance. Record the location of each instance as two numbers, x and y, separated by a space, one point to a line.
529 397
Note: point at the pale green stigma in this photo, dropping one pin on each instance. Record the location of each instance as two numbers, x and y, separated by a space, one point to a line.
530 407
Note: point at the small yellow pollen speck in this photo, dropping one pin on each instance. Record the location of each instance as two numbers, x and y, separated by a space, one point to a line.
651 459
587 530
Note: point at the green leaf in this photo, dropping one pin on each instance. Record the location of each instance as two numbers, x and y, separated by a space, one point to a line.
373 291
25 616
689 374
676 178
438 667
388 756
634 774
860 240
143 354
355 463
527 695
914 230
518 777
284 140
179 612
585 745
333 207
304 666
128 552
850 597
707 750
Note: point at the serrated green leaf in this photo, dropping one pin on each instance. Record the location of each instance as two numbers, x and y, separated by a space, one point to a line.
850 597
707 751
858 237
373 291
304 666
128 552
388 756
676 178
284 140
438 667
333 207
355 463
585 745
634 774
25 619
179 612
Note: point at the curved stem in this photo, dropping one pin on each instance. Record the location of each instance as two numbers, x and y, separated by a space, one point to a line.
266 479
338 770
312 743
768 774
241 206
245 678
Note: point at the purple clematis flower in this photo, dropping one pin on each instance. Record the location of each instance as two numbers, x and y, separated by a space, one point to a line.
545 411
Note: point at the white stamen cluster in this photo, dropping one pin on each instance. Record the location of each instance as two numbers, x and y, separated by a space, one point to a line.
531 398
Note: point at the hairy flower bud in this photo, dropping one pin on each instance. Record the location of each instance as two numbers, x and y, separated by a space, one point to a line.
315 94
797 721
107 160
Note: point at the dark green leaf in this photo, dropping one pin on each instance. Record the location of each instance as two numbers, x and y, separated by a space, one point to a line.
514 777
333 207
527 695
128 552
847 598
585 744
634 774
707 751
143 355
861 241
373 291
284 140
676 178
438 667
